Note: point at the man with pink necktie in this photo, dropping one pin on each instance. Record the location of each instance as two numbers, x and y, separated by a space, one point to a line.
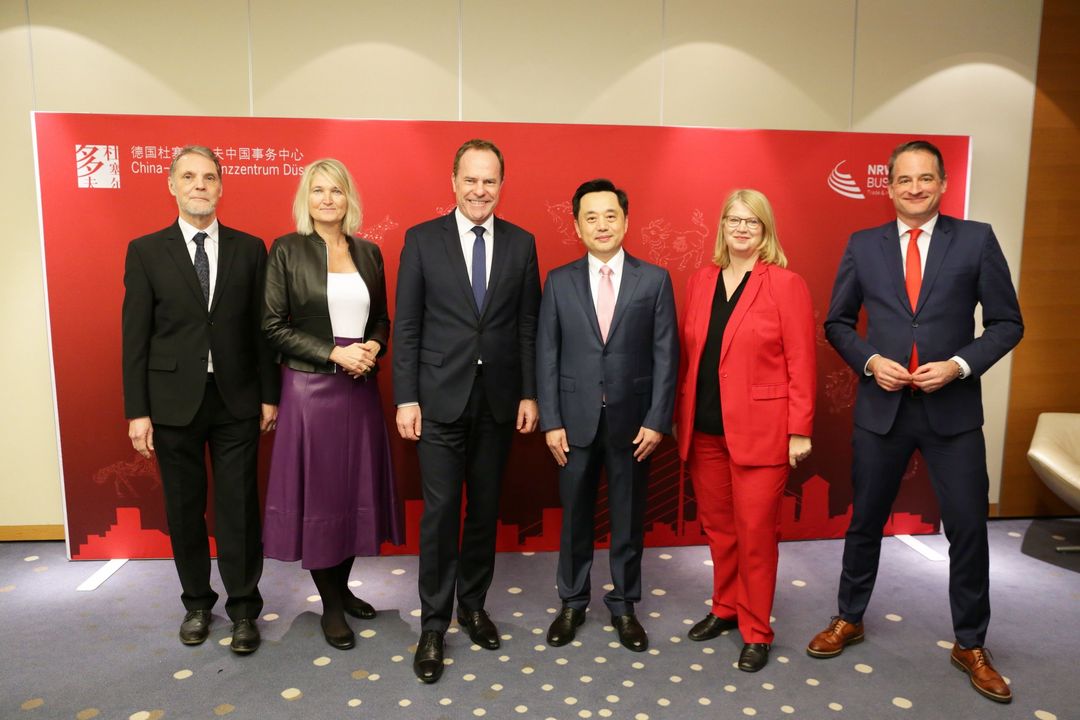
607 357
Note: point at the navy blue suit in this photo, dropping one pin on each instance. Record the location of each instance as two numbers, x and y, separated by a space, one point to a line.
964 268
602 394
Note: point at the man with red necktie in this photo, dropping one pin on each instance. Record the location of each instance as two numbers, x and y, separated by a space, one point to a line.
919 279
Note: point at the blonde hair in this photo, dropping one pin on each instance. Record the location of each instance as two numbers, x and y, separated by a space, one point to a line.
769 251
339 175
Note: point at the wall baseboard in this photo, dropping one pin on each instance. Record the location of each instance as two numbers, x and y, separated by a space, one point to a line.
31 532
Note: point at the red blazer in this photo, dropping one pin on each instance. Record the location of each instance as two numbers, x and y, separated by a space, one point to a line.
768 368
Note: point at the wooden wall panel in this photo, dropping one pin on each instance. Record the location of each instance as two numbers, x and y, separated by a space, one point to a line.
1044 369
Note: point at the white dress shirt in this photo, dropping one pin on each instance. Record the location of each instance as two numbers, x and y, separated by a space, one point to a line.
616 265
210 245
468 239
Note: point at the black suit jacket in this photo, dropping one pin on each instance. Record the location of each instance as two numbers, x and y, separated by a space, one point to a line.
439 334
633 374
167 329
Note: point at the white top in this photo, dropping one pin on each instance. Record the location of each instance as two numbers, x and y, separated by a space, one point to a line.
210 245
350 303
468 239
616 265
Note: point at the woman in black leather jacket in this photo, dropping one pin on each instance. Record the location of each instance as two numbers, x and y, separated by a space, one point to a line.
331 494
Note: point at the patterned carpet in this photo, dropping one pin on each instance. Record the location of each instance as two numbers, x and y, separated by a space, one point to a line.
113 652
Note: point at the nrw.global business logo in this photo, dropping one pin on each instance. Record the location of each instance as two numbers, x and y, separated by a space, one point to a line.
876 183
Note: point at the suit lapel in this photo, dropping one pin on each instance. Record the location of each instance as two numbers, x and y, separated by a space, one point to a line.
456 259
940 241
631 276
738 313
580 278
226 254
894 264
176 249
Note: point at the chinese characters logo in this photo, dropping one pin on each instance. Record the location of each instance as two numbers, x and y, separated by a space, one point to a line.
97 166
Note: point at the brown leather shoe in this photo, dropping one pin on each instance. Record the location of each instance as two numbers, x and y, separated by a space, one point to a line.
831 641
984 678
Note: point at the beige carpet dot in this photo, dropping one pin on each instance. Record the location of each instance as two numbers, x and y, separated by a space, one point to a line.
570 700
415 613
7 588
749 711
894 617
514 590
468 677
696 667
223 709
518 613
787 709
399 658
783 659
529 669
653 651
497 687
32 703
292 694
585 678
708 650
704 701
225 641
504 658
675 679
397 571
551 611
600 659
479 712
576 643
836 706
182 674
355 702
609 587
604 712
864 668
1045 715
707 563
612 698
561 661
654 614
537 631
905 704
584 713
321 661
798 583
474 647
359 674
528 553
373 677
507 637
453 630
687 621
609 628
663 702
547 687
314 598
675 639
613 644
945 644
729 688
369 633
768 686
659 592
1013 533
31 558
521 709
141 715
628 683
665 556
539 648
641 716
404 702
87 714
270 617
445 701
638 665
812 682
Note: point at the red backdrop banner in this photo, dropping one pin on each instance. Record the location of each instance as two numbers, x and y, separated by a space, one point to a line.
102 182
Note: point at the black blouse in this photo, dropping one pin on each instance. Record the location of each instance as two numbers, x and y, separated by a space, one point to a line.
708 417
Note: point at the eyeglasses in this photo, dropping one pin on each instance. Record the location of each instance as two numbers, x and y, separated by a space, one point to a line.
733 222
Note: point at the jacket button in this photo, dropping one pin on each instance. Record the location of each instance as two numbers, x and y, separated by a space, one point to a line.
914 324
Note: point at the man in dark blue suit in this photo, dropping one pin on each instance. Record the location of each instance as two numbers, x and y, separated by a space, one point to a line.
607 357
919 279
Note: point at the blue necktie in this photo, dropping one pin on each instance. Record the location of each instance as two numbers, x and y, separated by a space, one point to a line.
479 268
202 264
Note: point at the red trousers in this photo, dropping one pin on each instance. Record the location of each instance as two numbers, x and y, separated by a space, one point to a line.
739 509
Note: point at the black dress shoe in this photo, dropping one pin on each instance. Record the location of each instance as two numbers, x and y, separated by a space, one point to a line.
753 656
245 637
195 628
631 634
428 661
564 627
711 626
358 608
341 640
480 628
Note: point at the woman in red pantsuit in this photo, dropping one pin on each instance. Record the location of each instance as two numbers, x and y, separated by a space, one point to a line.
745 409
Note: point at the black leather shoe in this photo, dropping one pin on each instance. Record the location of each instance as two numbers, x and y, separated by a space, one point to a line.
565 625
358 608
428 661
195 628
342 641
480 628
245 637
711 626
753 656
631 634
